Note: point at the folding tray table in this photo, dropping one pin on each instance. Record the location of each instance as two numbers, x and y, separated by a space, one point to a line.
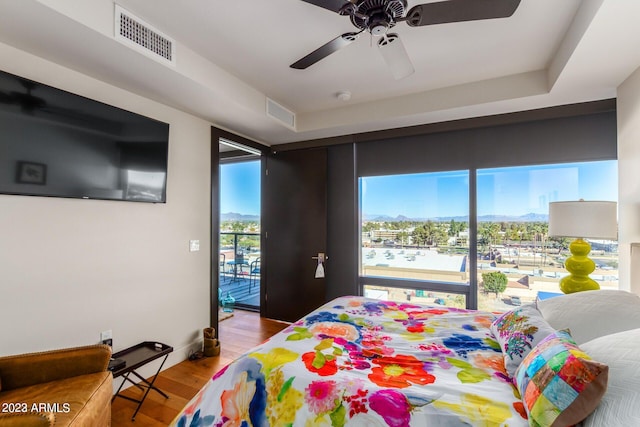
134 358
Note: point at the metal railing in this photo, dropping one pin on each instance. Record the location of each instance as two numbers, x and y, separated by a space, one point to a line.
240 267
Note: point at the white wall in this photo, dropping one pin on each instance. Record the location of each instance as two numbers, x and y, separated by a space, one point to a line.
629 181
71 268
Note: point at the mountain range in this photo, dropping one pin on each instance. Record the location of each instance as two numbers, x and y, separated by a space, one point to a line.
234 216
529 217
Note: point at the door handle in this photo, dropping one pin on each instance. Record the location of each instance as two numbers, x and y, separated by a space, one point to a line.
322 257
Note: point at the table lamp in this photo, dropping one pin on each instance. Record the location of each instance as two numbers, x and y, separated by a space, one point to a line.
582 219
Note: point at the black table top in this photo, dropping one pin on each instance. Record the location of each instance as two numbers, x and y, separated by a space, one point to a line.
139 355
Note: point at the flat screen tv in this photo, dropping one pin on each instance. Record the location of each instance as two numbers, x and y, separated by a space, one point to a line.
58 144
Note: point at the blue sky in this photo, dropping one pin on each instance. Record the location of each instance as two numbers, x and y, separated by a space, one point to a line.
240 188
416 195
504 191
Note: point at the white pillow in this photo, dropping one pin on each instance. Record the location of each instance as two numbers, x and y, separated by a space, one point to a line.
620 405
592 314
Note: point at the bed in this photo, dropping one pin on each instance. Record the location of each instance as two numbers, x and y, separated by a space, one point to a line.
364 362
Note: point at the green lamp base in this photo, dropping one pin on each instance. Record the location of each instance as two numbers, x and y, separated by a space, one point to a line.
579 266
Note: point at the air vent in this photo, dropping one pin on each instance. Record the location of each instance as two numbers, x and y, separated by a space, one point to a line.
134 32
281 114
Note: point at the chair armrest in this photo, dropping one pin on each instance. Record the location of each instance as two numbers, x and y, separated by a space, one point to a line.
35 368
31 419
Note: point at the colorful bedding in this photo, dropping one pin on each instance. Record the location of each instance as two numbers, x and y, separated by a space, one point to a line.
364 362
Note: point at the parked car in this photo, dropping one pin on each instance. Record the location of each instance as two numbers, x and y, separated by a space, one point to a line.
440 301
516 301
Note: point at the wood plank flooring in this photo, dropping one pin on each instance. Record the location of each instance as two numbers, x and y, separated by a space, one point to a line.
181 382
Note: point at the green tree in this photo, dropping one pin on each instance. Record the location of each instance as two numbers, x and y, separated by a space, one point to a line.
457 301
561 243
455 228
419 235
539 231
370 226
495 281
403 225
426 233
440 237
237 226
403 237
490 231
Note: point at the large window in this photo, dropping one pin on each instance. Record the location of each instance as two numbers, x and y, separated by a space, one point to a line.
417 239
414 228
513 206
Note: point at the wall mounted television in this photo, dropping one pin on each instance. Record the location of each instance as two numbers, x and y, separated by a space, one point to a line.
57 144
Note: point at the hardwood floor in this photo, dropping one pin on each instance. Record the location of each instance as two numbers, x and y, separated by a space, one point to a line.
181 382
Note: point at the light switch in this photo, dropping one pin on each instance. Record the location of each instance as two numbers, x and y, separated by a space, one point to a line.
194 245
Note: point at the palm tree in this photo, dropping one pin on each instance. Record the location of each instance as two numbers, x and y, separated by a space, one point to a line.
538 233
489 232
544 233
402 236
520 230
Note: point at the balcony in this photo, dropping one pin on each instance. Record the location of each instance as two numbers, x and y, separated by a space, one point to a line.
240 268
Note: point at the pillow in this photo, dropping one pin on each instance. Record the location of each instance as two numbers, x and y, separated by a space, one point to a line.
620 405
592 314
559 383
518 331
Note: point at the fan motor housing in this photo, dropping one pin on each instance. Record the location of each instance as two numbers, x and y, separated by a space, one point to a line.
377 16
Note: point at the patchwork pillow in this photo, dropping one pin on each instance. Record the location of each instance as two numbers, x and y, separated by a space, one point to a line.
559 383
518 331
620 405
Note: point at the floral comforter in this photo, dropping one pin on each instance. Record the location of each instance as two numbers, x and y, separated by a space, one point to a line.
364 362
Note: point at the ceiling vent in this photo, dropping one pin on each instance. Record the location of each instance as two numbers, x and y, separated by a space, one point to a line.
134 32
281 114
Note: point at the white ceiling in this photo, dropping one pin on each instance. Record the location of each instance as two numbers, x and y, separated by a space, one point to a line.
232 55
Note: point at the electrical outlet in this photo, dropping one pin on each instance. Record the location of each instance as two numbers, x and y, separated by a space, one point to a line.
106 337
194 245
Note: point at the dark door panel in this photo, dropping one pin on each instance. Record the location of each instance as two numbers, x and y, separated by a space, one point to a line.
295 223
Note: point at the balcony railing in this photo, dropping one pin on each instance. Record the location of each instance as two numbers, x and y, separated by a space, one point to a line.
240 267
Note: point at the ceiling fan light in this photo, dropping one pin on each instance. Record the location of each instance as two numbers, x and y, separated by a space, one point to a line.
379 29
395 55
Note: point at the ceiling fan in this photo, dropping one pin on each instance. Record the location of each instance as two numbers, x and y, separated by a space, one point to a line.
50 106
26 100
378 16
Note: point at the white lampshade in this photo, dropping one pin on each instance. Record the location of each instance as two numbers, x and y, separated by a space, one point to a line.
592 219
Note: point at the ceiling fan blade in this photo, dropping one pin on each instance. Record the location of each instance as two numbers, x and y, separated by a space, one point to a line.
395 55
6 99
333 5
459 10
325 50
